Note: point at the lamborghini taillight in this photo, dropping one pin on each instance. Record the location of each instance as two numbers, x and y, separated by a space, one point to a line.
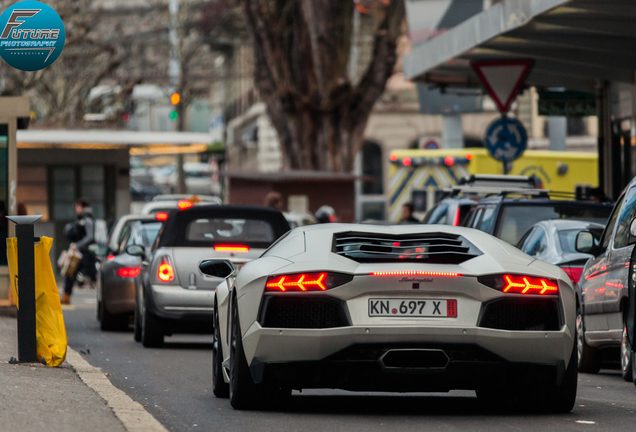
521 284
302 282
166 272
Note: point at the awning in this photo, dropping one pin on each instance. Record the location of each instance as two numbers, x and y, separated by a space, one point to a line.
574 44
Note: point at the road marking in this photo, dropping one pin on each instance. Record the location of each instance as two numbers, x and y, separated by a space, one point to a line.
132 414
585 422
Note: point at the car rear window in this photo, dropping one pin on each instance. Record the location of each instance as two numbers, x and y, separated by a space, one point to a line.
211 225
229 230
516 220
567 238
437 215
149 231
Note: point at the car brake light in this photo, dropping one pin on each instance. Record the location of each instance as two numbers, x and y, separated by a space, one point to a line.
521 284
128 272
161 216
456 221
231 248
110 257
300 282
574 273
166 272
184 204
415 273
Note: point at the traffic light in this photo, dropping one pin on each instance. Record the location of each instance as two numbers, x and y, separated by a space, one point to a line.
175 98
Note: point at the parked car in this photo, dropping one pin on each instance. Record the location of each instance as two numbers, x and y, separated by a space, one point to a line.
509 217
459 200
296 219
450 211
172 296
603 312
403 308
166 203
554 241
115 278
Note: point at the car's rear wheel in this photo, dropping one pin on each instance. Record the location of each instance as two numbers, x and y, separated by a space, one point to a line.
634 367
589 359
626 357
561 399
107 321
220 388
244 393
151 330
137 324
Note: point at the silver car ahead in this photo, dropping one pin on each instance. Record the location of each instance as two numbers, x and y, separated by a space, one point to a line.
172 295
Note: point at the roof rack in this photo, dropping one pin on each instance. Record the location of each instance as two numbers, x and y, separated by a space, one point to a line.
500 181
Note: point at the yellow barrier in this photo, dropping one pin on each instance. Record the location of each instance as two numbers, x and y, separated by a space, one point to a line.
49 320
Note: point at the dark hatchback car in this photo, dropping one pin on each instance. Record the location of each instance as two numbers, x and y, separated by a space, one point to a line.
509 218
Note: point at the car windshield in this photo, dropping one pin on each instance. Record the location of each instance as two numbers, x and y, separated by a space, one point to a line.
230 230
516 220
567 237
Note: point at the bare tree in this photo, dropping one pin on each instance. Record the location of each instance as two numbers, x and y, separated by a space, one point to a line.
302 52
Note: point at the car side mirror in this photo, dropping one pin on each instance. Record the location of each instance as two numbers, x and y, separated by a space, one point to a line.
632 229
216 268
136 250
585 243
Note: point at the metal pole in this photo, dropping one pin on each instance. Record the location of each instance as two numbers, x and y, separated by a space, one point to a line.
25 283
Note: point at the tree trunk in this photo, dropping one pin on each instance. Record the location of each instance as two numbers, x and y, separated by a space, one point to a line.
302 50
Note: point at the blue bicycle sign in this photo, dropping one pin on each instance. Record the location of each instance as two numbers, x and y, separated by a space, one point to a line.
506 139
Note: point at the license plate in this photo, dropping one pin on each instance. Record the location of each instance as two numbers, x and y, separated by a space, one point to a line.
429 308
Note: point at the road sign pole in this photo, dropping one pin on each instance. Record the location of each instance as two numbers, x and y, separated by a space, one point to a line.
25 285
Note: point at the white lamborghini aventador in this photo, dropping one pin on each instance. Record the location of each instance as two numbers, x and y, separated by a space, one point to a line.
409 308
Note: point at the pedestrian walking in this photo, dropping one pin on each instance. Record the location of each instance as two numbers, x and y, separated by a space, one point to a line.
81 233
274 200
407 214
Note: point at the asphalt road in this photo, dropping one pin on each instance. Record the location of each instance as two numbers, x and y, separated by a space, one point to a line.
174 383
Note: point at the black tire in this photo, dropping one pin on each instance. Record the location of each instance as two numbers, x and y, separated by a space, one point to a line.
626 357
137 325
589 359
244 393
107 321
220 388
151 330
634 367
561 399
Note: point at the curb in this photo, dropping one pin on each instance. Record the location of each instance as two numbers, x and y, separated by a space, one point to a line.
132 414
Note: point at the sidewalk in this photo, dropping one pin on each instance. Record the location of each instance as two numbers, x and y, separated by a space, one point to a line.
36 398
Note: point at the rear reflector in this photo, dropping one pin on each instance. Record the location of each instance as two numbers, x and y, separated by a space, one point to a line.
231 248
574 273
128 272
300 282
161 216
110 257
184 204
415 273
166 272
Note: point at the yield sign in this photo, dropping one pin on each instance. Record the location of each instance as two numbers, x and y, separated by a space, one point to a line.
503 79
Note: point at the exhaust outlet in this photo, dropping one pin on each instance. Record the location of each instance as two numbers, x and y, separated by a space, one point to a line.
414 358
